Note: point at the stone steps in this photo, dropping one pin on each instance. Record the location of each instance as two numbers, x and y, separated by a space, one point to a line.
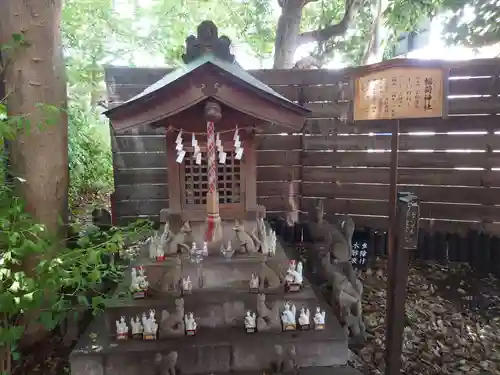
210 351
221 344
223 308
215 272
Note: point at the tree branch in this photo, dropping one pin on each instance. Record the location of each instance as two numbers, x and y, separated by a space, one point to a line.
282 3
332 30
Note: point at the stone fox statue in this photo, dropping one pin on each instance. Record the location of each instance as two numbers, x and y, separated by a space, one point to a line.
337 238
291 206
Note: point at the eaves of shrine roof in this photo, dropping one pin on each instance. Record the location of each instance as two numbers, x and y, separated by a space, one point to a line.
233 71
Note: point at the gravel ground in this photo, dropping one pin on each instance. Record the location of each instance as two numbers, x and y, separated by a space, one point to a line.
453 321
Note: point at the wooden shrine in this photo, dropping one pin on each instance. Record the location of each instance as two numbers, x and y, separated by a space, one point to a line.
197 300
210 88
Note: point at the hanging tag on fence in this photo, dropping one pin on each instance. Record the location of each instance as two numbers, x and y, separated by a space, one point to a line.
197 149
237 143
198 158
194 142
239 153
179 137
222 157
180 156
179 146
236 135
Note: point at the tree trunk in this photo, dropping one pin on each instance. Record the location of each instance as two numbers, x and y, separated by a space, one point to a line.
35 82
287 33
374 50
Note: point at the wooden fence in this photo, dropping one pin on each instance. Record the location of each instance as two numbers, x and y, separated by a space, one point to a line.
453 164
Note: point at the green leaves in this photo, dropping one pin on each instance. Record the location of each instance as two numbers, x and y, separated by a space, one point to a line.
56 284
89 151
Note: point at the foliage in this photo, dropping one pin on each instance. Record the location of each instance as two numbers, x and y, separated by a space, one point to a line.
59 281
93 35
89 152
472 23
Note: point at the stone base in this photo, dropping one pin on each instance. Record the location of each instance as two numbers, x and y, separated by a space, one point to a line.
210 351
305 327
319 327
139 295
148 336
221 345
199 215
293 288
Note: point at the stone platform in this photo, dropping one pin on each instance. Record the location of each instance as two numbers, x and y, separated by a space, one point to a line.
219 304
211 350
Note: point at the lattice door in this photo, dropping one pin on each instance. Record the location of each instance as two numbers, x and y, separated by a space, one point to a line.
196 180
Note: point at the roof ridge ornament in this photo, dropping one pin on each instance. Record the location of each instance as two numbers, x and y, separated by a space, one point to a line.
207 41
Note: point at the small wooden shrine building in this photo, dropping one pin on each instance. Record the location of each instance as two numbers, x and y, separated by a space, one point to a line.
210 99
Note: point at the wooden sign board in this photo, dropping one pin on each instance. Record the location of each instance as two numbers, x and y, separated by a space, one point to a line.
400 93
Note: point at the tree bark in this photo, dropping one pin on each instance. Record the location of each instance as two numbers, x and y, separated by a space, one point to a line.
289 38
287 33
34 80
374 50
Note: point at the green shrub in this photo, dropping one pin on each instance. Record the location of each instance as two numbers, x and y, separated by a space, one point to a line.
90 160
63 277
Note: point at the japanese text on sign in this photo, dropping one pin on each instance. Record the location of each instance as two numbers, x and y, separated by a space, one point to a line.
399 93
359 253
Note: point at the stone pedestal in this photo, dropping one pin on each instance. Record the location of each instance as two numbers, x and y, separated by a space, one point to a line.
219 301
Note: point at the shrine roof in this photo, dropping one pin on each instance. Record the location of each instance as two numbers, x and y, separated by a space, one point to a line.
235 71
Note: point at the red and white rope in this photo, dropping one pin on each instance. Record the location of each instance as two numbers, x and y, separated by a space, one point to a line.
211 158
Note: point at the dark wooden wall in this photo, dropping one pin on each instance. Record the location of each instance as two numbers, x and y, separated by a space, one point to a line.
345 162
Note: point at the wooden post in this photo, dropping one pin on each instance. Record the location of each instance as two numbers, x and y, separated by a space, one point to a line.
406 238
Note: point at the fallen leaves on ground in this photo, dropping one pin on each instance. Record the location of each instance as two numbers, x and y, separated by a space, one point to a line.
452 321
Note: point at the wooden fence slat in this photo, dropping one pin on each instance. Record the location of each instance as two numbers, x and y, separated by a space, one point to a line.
473 86
381 223
277 173
472 105
137 76
427 210
456 106
279 188
449 194
437 211
139 160
328 109
301 77
438 125
147 76
448 226
406 176
285 158
278 142
406 159
125 92
474 68
138 208
141 192
320 93
125 220
142 130
332 91
406 142
139 143
140 176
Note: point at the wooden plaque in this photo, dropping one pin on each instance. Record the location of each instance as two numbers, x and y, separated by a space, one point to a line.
400 93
